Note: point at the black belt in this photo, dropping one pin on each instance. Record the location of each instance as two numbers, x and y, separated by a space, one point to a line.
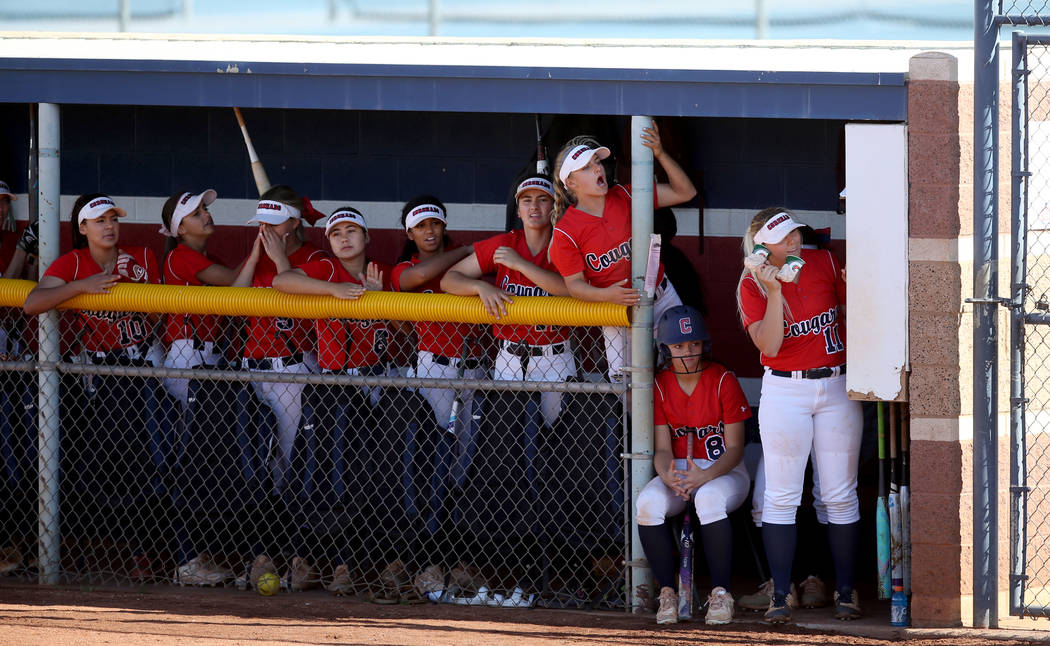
364 371
269 362
523 349
468 364
812 373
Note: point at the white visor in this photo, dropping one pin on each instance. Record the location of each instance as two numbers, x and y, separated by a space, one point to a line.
345 215
422 212
272 212
188 203
776 228
98 207
579 157
6 190
537 183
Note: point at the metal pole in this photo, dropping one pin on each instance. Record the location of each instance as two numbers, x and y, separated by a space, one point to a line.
761 20
33 170
641 338
1018 227
985 309
48 379
125 14
434 15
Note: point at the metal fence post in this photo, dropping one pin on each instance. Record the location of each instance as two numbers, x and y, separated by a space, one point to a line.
48 335
641 337
985 311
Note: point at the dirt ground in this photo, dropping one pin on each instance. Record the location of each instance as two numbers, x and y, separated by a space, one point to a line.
32 615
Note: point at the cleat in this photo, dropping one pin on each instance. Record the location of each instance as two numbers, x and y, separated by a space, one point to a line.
719 607
668 612
813 593
846 606
779 611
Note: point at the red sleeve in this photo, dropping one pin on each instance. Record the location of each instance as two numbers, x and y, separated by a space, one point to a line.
395 274
320 269
659 418
486 249
152 266
565 253
734 403
186 263
63 267
752 301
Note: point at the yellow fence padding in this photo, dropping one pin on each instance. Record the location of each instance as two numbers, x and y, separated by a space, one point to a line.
249 301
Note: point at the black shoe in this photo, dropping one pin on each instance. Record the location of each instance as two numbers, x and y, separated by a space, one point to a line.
779 612
846 606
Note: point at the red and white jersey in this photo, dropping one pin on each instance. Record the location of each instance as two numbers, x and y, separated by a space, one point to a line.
716 401
445 339
816 338
517 283
106 331
181 266
599 247
344 343
270 336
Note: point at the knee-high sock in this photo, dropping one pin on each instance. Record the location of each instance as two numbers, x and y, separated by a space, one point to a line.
780 552
659 549
844 540
718 548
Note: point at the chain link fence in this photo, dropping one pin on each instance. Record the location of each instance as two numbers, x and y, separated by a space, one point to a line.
335 475
1024 12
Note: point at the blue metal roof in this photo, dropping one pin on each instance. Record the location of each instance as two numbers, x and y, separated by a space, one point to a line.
457 88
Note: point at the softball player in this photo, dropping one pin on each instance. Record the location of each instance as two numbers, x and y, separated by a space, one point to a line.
698 401
191 338
793 317
121 462
279 344
591 244
519 260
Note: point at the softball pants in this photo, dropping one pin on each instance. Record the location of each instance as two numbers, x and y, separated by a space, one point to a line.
713 501
547 367
286 402
182 354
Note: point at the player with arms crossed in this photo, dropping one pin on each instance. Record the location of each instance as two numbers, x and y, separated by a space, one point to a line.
695 400
591 244
519 260
791 301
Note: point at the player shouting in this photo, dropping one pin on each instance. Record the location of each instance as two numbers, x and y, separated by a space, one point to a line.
791 301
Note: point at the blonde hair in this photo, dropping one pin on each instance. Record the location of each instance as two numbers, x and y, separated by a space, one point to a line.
748 244
563 197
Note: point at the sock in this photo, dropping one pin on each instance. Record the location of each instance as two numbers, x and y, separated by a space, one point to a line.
660 551
844 540
780 552
718 548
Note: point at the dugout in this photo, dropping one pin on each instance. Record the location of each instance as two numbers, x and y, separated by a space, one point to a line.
375 121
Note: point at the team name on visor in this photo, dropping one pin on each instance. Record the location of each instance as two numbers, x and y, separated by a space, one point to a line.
422 212
775 229
535 182
97 208
187 204
579 157
345 215
272 212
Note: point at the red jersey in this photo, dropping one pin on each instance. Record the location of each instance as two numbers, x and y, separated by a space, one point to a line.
445 339
345 343
716 401
270 336
599 247
816 339
181 267
517 283
108 331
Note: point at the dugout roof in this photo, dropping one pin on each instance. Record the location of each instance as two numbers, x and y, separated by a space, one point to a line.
801 80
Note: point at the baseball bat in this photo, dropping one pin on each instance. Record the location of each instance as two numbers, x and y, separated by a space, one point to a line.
905 497
896 549
457 403
262 182
542 167
685 566
882 519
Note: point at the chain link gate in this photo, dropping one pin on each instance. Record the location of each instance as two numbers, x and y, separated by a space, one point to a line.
352 480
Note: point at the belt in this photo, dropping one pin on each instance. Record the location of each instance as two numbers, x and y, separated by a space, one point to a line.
273 363
133 355
812 373
522 349
367 371
468 364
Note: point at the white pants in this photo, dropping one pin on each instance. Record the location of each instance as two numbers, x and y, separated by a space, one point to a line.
549 367
618 339
441 399
286 402
758 495
182 355
796 416
714 500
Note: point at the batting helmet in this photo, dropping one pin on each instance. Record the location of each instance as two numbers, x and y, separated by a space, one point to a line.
679 325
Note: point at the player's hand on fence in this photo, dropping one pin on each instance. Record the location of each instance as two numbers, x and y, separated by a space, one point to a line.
28 240
495 300
651 140
346 291
507 257
767 275
100 283
622 293
373 278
